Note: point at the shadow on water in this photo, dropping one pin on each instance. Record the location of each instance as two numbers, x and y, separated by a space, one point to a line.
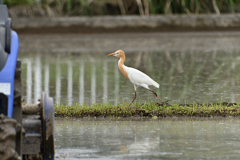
154 139
199 76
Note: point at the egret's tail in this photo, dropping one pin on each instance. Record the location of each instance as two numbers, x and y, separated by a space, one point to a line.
155 84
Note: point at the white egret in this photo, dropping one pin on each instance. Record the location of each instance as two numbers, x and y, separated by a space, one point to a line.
137 77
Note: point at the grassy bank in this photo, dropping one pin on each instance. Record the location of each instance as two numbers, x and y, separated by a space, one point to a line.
149 110
125 7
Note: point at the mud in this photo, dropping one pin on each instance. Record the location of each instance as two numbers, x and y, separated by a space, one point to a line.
29 109
8 137
99 24
200 105
149 110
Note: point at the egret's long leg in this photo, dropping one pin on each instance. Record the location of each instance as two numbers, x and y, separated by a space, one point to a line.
133 98
156 95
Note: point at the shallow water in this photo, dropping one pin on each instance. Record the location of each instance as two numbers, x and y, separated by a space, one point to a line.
189 76
199 67
202 138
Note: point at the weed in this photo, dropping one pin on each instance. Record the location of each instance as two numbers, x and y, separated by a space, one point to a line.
100 7
147 110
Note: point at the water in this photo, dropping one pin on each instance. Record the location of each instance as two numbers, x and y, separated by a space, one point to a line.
199 67
154 139
74 68
187 76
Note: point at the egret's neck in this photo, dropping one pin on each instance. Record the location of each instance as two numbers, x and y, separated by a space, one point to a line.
121 60
121 66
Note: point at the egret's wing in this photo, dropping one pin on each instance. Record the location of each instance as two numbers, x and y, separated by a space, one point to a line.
139 78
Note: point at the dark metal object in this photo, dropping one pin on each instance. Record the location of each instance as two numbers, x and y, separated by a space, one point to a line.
8 26
38 142
31 146
3 104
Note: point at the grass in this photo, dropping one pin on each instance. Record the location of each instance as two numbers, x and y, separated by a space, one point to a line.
128 7
148 110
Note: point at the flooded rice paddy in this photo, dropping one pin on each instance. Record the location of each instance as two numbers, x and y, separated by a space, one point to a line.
189 67
154 139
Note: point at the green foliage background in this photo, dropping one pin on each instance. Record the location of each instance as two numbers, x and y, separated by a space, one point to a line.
129 7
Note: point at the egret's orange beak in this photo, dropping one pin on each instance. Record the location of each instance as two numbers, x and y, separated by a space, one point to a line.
111 54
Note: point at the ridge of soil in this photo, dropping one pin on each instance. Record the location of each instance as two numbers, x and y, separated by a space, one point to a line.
223 109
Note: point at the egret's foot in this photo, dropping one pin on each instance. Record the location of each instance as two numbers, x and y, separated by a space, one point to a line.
165 101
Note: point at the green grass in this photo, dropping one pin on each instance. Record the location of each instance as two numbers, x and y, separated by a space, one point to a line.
148 110
117 7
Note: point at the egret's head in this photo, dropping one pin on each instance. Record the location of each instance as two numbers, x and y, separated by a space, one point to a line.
118 53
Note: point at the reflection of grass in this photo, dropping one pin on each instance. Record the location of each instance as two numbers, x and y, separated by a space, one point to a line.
148 110
186 75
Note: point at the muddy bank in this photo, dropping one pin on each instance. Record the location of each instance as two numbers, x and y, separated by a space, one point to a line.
145 33
103 24
150 110
129 42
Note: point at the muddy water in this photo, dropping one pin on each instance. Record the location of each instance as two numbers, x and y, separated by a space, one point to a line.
152 139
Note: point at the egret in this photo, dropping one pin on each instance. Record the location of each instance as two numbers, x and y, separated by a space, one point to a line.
136 77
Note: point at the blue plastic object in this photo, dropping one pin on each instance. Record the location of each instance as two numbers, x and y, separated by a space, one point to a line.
7 74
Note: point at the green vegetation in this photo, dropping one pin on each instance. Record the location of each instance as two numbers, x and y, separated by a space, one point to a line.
129 7
148 110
